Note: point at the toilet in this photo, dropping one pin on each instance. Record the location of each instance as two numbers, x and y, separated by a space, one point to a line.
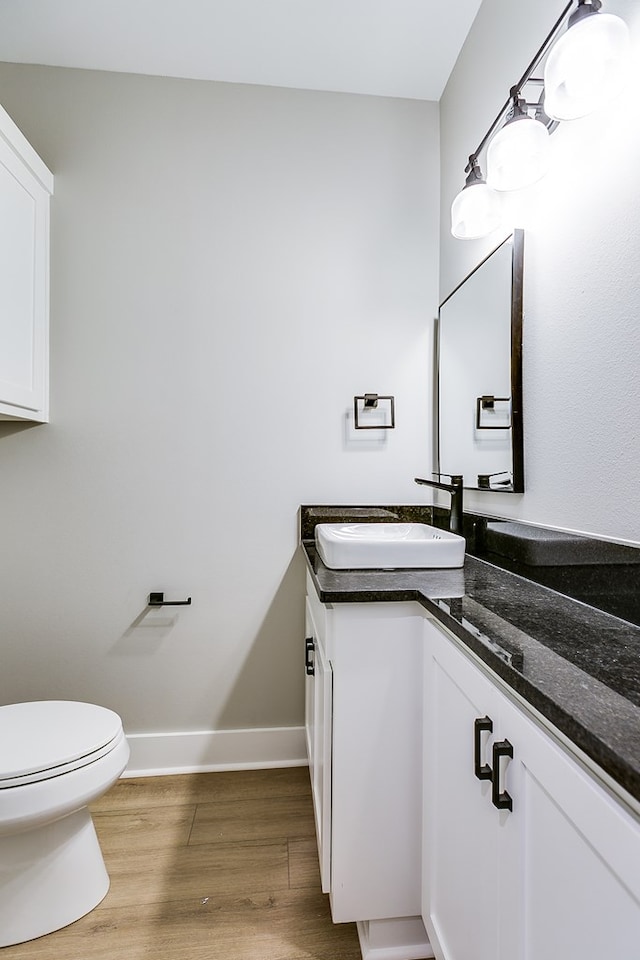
56 757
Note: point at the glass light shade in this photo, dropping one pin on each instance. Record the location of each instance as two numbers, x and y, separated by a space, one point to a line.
518 155
475 212
587 66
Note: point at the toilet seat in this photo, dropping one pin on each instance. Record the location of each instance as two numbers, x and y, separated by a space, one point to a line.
41 740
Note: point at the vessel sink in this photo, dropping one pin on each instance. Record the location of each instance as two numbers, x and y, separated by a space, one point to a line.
367 546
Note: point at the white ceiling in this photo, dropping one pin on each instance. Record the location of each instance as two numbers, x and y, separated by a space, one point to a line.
395 48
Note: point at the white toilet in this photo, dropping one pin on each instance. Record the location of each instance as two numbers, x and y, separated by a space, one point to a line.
56 757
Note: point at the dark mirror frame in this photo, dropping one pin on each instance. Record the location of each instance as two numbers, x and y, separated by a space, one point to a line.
517 432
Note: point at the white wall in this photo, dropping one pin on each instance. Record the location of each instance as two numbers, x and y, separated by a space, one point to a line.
231 264
582 273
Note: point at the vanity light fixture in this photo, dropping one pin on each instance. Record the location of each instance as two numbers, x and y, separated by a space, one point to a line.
587 65
475 212
518 155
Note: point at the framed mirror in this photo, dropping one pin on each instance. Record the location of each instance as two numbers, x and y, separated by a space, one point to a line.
479 374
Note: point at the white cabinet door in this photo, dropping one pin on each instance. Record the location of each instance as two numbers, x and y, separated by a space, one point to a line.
576 856
318 728
25 188
556 876
461 864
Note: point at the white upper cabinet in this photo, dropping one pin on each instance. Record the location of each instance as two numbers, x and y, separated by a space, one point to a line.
26 186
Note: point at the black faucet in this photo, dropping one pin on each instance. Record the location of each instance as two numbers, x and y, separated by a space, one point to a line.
455 489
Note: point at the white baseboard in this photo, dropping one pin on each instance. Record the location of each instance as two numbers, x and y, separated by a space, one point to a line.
403 938
205 751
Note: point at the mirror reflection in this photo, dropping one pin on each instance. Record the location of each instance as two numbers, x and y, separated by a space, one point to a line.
480 374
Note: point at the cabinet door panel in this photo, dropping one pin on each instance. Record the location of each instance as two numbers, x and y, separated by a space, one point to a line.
579 856
322 773
318 729
309 692
24 226
17 212
461 868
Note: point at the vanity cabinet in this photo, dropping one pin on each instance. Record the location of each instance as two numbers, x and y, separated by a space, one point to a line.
25 189
526 854
363 665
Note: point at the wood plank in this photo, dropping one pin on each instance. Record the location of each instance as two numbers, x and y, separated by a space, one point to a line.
153 829
137 792
304 869
253 820
262 926
199 871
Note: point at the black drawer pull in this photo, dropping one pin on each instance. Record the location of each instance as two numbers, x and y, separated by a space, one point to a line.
500 798
308 654
480 726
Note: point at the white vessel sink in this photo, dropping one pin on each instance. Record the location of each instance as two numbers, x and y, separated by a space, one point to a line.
367 546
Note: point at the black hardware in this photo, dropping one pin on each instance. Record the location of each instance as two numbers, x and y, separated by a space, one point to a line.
481 725
484 480
455 489
489 403
500 798
370 402
158 600
308 662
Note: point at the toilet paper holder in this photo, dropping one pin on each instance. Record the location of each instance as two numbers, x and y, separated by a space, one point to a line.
158 600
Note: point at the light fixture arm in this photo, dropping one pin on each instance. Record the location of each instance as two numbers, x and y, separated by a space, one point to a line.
532 66
518 139
518 108
473 171
584 9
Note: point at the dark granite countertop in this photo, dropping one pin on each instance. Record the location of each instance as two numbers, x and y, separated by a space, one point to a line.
577 665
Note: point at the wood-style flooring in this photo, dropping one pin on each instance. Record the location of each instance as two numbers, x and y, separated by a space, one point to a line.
217 866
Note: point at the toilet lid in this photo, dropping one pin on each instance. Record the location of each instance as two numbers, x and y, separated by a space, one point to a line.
47 737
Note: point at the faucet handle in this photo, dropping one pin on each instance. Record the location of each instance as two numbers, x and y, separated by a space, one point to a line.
456 478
